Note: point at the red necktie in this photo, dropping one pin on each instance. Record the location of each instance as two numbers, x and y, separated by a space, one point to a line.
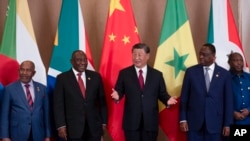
141 79
29 98
81 84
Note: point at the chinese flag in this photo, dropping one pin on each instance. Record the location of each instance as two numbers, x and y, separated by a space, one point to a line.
120 35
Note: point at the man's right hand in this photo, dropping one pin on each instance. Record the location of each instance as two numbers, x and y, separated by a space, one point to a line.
115 95
6 139
184 126
62 133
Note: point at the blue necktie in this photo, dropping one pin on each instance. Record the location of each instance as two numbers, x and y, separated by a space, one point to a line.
207 78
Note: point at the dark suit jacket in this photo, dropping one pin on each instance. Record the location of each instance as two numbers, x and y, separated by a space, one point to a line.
215 107
72 110
17 120
141 102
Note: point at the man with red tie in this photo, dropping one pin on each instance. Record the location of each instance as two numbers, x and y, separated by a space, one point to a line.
79 102
143 86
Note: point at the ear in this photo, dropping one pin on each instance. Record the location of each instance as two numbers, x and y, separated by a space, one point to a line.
34 72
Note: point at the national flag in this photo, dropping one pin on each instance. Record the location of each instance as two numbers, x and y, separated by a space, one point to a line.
244 28
120 35
70 36
19 43
174 55
222 32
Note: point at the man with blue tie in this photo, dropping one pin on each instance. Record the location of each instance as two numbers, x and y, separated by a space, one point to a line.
25 108
206 111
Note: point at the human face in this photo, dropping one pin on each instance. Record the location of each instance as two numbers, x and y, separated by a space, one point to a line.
140 58
79 61
26 71
206 57
236 63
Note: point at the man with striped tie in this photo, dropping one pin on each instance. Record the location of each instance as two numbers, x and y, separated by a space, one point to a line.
25 108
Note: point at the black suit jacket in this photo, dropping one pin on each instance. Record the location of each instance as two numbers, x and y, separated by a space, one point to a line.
139 102
72 110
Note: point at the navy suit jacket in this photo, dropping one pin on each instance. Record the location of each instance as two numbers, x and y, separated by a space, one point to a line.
139 102
17 120
215 107
72 110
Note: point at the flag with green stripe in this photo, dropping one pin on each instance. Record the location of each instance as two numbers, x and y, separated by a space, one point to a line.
19 43
174 55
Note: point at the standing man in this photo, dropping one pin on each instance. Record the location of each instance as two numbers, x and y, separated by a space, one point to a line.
241 89
206 110
25 108
79 102
142 86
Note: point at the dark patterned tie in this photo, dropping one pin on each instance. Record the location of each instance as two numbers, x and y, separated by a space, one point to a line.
141 79
207 78
81 84
29 98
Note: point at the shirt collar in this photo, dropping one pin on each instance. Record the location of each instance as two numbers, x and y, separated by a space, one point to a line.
76 72
144 69
211 67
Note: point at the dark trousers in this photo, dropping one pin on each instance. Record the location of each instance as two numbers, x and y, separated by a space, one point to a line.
141 134
203 135
30 136
87 136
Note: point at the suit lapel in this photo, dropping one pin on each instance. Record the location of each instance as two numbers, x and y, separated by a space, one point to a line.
215 76
148 77
134 77
88 79
200 74
37 93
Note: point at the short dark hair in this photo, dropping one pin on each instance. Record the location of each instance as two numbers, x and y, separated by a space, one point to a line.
211 47
142 46
231 55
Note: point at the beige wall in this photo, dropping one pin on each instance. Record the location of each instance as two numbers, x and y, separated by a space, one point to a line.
148 15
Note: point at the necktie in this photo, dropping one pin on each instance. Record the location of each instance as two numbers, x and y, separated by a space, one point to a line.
141 79
81 84
207 78
29 98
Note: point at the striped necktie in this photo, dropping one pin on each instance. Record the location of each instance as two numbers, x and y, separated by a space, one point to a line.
29 98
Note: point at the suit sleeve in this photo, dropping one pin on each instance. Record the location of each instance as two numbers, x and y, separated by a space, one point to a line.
228 101
5 112
102 102
47 112
59 103
184 96
163 94
119 85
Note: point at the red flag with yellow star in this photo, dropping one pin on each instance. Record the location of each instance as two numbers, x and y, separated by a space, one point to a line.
120 35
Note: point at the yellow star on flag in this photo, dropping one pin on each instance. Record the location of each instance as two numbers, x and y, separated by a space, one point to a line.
115 4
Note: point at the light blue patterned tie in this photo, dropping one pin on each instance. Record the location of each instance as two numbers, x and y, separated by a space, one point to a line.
207 78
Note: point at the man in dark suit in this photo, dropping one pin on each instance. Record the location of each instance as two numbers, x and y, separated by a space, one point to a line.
79 102
206 111
25 108
142 86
